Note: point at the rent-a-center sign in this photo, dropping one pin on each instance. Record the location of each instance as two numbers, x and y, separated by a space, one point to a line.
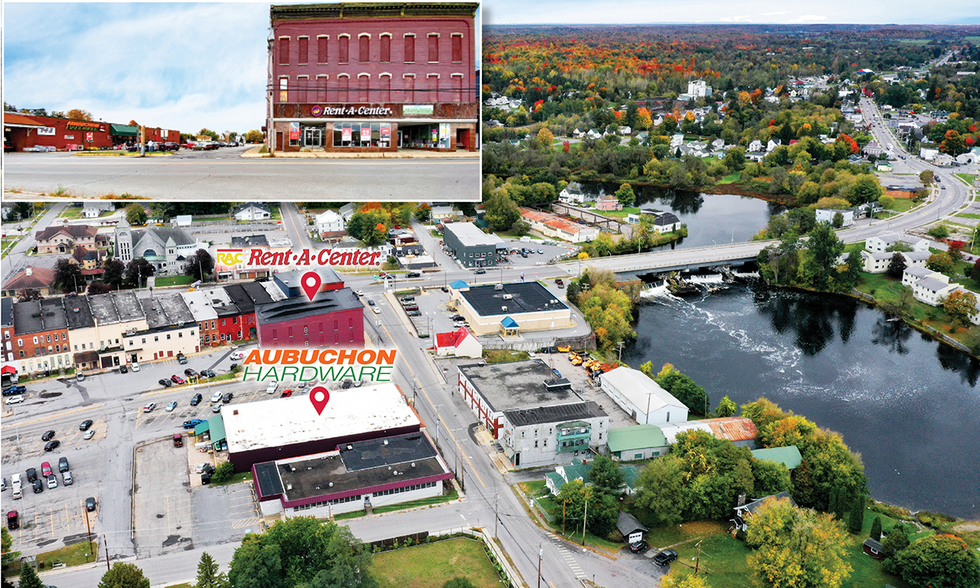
348 111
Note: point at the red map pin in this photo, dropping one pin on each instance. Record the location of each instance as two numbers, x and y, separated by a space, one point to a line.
310 282
319 396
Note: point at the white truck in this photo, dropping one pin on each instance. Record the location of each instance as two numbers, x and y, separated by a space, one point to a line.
17 486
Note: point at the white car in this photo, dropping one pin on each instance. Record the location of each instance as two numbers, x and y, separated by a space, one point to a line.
89 434
200 467
172 406
15 399
134 366
237 355
149 406
358 293
216 398
273 386
376 310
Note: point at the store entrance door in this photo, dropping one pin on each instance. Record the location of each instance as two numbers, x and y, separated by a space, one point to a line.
313 136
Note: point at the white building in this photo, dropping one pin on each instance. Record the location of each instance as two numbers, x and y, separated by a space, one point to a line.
96 209
642 398
460 343
885 240
252 211
932 289
572 194
329 222
876 262
913 274
826 215
916 258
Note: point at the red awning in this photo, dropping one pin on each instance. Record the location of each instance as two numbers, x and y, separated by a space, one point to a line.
8 369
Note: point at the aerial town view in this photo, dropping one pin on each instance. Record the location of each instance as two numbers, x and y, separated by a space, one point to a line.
712 322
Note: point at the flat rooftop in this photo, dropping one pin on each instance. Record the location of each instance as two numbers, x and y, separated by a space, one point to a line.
116 307
299 307
524 297
360 467
167 310
470 235
285 421
554 414
517 385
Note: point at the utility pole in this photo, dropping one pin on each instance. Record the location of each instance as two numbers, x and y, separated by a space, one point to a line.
697 562
106 552
586 517
496 518
540 555
620 344
89 526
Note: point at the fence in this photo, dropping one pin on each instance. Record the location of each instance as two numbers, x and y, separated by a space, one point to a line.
585 342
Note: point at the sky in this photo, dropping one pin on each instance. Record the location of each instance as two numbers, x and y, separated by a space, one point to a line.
190 66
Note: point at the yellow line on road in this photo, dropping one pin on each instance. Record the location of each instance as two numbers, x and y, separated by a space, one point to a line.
446 426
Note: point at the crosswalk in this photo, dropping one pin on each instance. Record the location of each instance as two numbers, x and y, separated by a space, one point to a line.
569 559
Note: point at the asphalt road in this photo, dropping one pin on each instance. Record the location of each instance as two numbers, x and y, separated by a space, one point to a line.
221 175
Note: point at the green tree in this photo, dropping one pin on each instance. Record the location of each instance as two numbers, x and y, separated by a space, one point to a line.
926 177
896 540
68 276
254 136
726 407
676 580
838 220
896 266
208 575
734 159
136 214
796 547
521 228
114 272
458 582
223 472
124 575
771 477
960 307
606 476
200 265
683 388
501 211
944 561
825 249
29 578
876 529
7 554
625 195
22 210
138 270
938 232
855 518
256 564
941 262
662 490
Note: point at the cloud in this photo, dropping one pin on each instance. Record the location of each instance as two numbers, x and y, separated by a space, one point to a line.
775 13
809 18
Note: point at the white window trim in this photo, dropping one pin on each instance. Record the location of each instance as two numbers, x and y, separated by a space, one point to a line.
368 35
342 35
364 75
386 74
433 35
409 35
432 75
322 76
411 75
457 75
385 35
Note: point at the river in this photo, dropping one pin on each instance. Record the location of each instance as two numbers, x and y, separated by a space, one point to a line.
909 406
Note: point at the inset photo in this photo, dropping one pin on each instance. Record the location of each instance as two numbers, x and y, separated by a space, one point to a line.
298 102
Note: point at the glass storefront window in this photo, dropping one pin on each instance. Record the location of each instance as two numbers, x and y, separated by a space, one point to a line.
356 134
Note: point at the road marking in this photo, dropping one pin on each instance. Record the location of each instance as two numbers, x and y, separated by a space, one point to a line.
245 522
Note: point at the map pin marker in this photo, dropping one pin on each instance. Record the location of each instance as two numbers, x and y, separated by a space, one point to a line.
319 396
310 282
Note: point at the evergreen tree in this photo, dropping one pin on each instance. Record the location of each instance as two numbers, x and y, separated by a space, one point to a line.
28 578
124 575
876 529
208 575
856 520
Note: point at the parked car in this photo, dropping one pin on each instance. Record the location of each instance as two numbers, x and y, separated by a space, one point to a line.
480 271
192 423
89 434
52 481
67 478
165 383
272 387
408 298
414 313
134 366
45 469
149 406
216 408
13 520
665 557
207 373
181 358
639 546
178 440
560 283
123 369
216 398
412 307
90 504
38 486
191 373
52 445
227 397
177 380
16 399
47 436
286 394
31 474
86 425
196 399
413 275
172 406
14 390
80 377
3 484
63 464
237 355
199 468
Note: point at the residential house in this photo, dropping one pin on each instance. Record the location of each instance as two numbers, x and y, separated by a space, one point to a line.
579 470
606 202
943 160
252 211
347 211
31 278
572 194
932 289
329 221
883 241
630 528
96 209
928 154
916 258
913 274
64 238
666 222
554 226
772 144
637 442
873 548
876 262
826 215
755 146
461 343
744 512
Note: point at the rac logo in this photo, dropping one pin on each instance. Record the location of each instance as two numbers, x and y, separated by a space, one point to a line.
230 256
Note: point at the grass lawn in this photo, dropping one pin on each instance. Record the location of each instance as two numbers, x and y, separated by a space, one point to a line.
967 178
71 212
968 215
7 244
236 478
504 355
70 555
730 179
276 213
174 281
513 235
859 247
627 210
420 502
902 204
431 565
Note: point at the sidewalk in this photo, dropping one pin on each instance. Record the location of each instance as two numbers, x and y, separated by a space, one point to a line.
253 153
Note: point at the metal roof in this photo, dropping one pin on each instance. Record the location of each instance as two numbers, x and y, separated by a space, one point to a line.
636 437
788 456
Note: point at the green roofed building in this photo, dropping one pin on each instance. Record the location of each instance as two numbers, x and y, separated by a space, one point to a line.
788 456
637 442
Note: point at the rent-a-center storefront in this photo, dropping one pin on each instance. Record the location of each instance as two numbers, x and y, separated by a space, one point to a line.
365 78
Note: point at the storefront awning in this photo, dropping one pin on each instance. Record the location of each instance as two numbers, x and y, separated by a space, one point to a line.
123 130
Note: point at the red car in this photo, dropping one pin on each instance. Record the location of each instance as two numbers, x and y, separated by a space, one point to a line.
45 469
176 379
286 394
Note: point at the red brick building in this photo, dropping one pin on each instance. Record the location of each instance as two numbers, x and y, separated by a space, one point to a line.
40 339
21 131
332 319
373 78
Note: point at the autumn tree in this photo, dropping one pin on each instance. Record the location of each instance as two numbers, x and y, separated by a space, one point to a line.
625 195
926 177
938 561
254 136
78 114
796 547
953 143
960 307
124 575
68 276
545 138
676 580
726 407
941 262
